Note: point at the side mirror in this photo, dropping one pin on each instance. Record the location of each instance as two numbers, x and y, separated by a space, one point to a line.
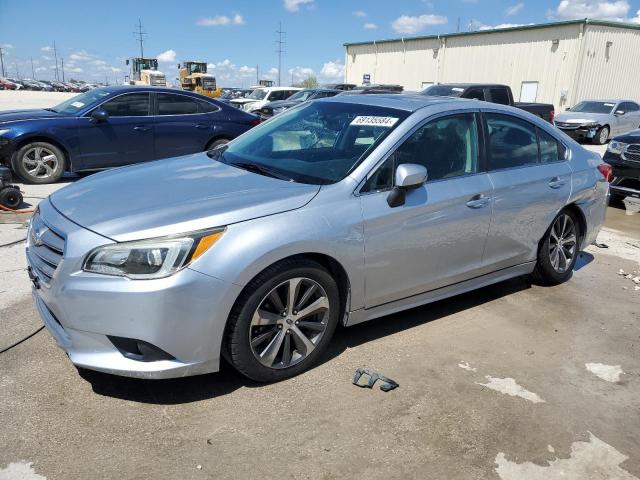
568 109
620 112
99 115
408 176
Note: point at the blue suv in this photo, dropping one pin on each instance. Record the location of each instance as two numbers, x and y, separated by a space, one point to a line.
112 127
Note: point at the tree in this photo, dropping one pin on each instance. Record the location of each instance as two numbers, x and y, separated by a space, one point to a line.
309 82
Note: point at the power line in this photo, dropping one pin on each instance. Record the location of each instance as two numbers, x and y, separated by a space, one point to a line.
55 55
280 51
140 34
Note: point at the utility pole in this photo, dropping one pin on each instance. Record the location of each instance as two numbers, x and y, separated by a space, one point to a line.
33 72
2 61
55 55
140 37
458 30
63 70
257 74
280 51
17 71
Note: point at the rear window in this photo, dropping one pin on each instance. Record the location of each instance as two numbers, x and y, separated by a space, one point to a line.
176 104
443 91
499 95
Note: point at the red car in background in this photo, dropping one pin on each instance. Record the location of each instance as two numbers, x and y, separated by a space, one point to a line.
7 85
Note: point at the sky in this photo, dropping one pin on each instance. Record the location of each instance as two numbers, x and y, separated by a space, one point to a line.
236 37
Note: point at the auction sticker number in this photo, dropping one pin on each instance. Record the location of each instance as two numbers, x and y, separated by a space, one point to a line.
373 121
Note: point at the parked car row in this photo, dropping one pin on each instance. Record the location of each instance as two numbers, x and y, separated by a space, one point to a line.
7 83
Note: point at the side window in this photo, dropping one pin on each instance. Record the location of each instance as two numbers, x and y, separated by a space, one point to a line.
169 104
206 107
288 93
551 150
499 95
475 93
128 105
276 95
633 107
512 142
447 147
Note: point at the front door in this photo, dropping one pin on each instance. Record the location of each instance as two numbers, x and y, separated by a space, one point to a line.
532 182
438 236
126 137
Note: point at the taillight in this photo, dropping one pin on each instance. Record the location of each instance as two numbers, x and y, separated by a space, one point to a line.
606 170
255 122
552 115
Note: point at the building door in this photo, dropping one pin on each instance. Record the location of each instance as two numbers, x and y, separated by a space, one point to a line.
529 92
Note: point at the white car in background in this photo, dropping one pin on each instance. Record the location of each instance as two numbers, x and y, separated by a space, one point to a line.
263 95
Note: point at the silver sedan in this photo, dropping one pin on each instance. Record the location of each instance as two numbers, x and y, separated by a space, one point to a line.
338 211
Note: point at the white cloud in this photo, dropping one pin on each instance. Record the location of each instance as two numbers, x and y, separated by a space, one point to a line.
74 70
332 72
298 74
98 62
271 74
360 13
294 5
513 9
409 24
167 56
221 20
370 26
80 56
636 19
604 10
47 49
478 25
7 46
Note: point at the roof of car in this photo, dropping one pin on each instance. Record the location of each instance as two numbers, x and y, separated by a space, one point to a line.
400 101
135 88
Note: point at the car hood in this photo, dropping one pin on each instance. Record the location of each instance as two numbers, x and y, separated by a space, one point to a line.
283 103
18 115
244 100
173 196
629 137
580 117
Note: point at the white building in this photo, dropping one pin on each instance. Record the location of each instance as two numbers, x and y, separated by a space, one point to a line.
560 63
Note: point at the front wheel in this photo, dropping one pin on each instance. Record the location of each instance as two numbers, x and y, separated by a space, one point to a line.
216 143
602 135
283 321
559 250
39 163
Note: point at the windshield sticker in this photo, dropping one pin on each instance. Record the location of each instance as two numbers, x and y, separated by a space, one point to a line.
77 104
609 104
371 121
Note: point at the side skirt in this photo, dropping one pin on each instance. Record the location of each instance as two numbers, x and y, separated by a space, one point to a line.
366 314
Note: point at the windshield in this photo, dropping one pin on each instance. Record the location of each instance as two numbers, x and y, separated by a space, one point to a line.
593 107
301 96
258 94
198 68
317 143
443 91
77 103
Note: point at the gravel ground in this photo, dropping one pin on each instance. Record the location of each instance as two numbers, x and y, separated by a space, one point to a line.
511 382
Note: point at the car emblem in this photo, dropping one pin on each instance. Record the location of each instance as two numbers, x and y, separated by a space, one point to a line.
36 236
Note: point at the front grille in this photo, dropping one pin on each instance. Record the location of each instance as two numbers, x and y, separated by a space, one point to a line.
567 126
632 153
45 248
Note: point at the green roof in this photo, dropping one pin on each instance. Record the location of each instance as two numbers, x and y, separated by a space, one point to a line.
605 23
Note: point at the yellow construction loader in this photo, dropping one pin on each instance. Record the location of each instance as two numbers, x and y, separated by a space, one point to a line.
144 71
194 77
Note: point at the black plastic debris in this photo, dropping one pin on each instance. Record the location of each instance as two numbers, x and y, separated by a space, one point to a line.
600 245
387 383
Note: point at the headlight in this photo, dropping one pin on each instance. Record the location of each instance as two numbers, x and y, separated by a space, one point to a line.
616 147
150 259
590 125
4 130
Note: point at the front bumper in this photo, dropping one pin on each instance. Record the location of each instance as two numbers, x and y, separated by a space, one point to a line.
7 148
183 315
626 175
580 133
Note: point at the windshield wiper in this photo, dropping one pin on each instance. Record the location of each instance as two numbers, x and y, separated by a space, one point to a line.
51 110
261 169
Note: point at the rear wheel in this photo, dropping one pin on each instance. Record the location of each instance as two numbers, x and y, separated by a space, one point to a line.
39 163
602 135
559 250
216 144
283 321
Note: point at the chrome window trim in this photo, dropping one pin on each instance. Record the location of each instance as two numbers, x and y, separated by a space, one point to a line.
87 114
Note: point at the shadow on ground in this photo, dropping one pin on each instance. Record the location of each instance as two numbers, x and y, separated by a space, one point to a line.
191 389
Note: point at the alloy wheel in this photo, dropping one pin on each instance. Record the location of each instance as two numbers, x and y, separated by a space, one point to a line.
289 323
604 134
562 243
40 162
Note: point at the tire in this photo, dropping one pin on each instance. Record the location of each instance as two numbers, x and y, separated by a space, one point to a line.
39 163
550 268
602 135
10 198
250 337
216 144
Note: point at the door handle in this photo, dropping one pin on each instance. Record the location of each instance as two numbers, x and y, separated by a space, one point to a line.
556 182
202 125
141 128
478 201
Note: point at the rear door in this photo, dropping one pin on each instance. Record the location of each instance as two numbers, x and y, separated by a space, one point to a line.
438 236
182 125
126 137
532 182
